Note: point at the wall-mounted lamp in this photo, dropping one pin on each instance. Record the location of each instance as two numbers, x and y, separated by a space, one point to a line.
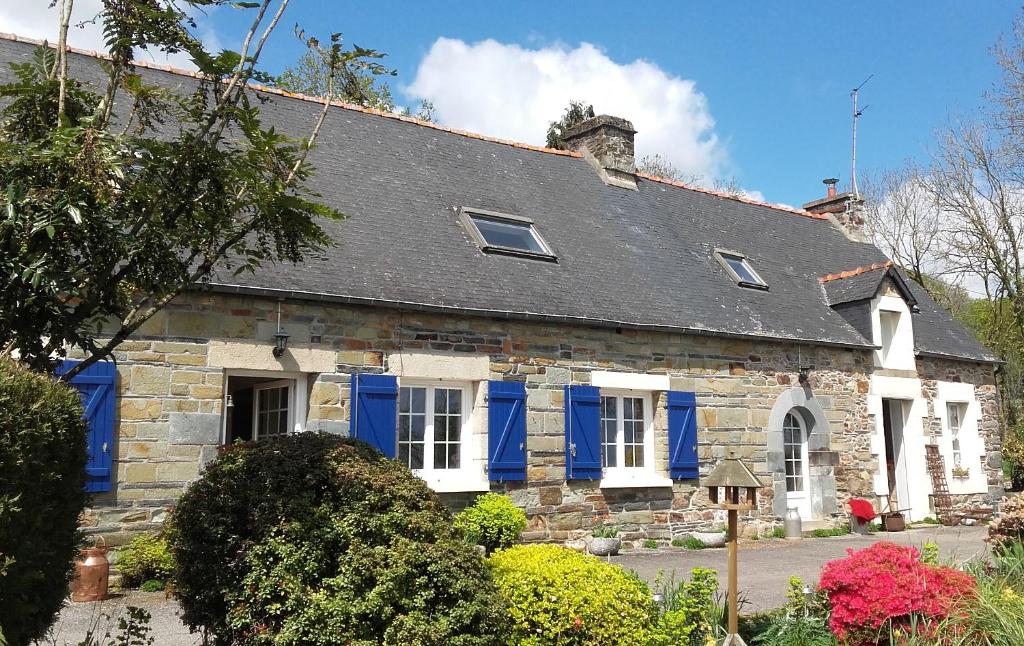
280 343
805 374
280 337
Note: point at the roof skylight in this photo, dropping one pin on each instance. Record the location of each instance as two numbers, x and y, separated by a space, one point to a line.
740 270
504 233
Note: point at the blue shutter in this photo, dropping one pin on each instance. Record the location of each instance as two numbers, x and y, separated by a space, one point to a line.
375 414
95 386
682 435
506 430
582 433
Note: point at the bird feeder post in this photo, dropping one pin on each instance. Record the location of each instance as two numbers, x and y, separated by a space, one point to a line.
732 475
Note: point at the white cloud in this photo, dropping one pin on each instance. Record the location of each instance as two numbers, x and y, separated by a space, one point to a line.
37 19
513 92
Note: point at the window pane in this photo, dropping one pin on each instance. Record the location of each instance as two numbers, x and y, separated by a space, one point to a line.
508 234
412 422
455 402
447 427
416 457
419 428
419 400
739 265
453 456
403 400
609 422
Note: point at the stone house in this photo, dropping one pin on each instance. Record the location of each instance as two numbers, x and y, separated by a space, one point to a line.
556 326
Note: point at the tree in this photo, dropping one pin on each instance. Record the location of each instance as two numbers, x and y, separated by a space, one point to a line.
106 217
356 82
658 166
903 220
575 114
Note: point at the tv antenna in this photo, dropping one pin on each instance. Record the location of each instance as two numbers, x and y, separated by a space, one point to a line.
854 93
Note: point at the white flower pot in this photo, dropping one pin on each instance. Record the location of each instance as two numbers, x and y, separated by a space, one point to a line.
605 546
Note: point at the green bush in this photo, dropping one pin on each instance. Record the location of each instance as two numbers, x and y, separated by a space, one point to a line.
802 621
650 543
147 556
605 531
153 585
492 521
558 596
42 474
830 532
318 540
689 543
688 609
778 532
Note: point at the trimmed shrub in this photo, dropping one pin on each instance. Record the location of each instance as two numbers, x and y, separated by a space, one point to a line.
147 556
558 596
42 473
1009 527
493 521
887 587
316 539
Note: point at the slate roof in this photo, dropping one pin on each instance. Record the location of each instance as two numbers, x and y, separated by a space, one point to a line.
863 284
637 259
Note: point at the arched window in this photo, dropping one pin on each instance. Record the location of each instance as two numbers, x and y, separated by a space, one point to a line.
794 439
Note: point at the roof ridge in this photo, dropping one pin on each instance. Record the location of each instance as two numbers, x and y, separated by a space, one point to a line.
305 97
731 196
849 273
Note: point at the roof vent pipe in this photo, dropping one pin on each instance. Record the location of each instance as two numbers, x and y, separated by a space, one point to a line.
830 183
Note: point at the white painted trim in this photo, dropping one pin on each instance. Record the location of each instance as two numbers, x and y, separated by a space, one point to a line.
470 476
621 476
800 499
899 354
973 453
915 410
623 479
629 380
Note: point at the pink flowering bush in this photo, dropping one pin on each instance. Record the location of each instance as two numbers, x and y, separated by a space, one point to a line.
886 586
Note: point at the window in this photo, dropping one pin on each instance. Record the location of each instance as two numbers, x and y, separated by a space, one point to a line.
260 404
273 408
430 427
625 437
503 233
889 322
740 270
955 414
794 448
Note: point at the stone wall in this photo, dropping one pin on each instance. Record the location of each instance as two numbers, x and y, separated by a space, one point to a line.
171 379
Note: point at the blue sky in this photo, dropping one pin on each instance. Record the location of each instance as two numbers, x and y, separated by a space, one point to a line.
756 91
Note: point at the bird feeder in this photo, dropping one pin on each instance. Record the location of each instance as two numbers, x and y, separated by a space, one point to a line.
733 487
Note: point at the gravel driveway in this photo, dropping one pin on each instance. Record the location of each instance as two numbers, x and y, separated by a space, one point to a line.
765 568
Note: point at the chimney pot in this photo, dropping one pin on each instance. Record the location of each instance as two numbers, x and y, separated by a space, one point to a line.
830 184
607 143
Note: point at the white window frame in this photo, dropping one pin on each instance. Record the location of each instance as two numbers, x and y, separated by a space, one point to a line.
298 398
956 451
759 283
800 498
465 477
620 475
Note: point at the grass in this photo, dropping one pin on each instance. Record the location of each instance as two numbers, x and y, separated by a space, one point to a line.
650 543
830 532
930 520
778 532
152 585
689 543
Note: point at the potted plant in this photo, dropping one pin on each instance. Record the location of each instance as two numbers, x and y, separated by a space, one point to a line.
713 538
961 472
605 541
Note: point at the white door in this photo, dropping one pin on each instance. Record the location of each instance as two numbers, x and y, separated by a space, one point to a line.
794 437
273 408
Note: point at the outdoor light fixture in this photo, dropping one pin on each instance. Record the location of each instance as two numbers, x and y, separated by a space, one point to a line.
280 343
805 374
280 337
733 477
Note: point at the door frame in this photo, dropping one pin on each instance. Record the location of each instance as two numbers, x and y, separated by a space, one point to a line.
894 411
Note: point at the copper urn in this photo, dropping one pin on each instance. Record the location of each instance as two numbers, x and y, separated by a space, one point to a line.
92 570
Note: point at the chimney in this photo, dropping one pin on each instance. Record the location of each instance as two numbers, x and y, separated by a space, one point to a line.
846 210
607 143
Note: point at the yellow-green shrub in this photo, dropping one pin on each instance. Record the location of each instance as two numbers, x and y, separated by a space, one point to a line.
146 557
492 521
558 596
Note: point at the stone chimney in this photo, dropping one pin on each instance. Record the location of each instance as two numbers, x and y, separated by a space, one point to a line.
607 143
846 210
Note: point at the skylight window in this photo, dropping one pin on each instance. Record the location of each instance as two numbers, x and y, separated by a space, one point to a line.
503 233
740 270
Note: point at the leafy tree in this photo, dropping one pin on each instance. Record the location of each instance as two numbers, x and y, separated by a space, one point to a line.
107 216
575 114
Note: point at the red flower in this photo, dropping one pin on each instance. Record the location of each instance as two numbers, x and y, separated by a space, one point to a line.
888 583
